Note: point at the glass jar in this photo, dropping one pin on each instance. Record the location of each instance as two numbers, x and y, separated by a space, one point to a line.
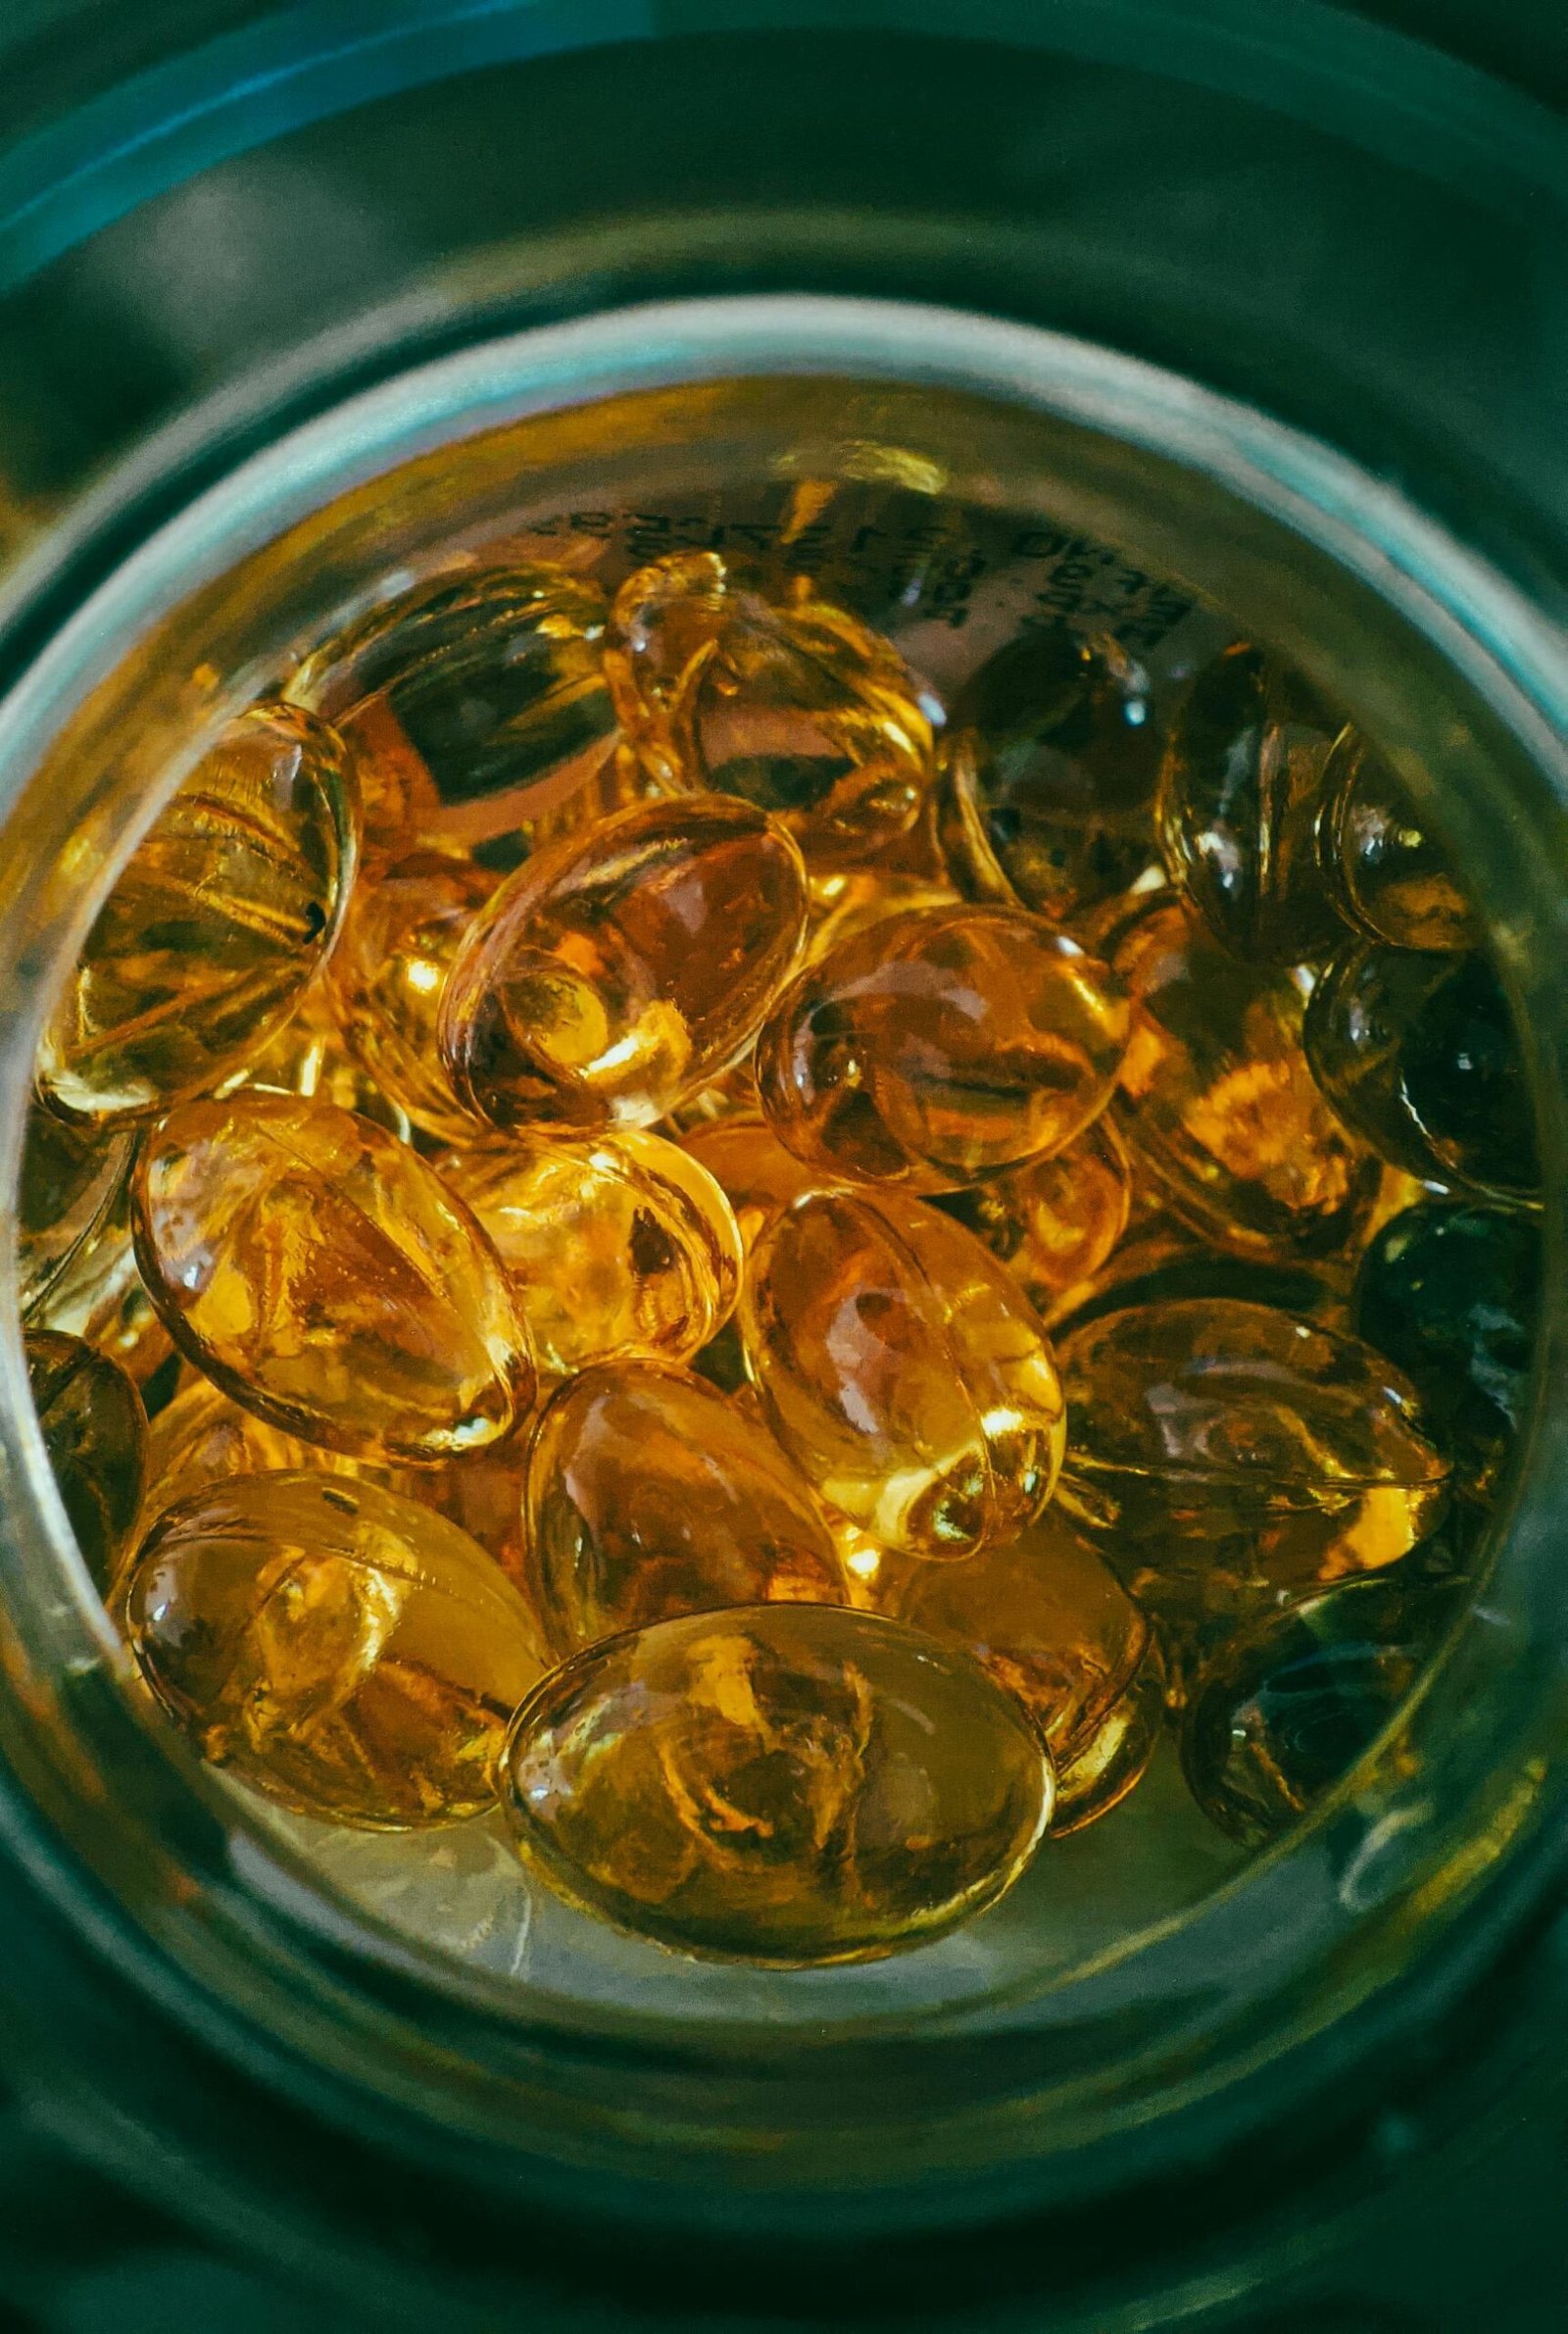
232 2010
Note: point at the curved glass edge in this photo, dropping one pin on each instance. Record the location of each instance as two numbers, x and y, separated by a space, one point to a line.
381 2034
1359 81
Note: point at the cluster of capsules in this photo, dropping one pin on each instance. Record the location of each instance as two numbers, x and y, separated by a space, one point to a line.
770 1276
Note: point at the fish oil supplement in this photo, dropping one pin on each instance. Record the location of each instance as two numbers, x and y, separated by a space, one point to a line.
752 1167
794 705
1240 789
1053 1624
941 1045
342 1649
732 1096
1052 1221
782 1784
95 1433
1218 1103
614 1245
1045 775
614 975
386 974
475 704
309 1058
1392 873
101 1298
1288 1709
649 1494
213 929
1452 1295
322 1274
903 1370
1418 1055
1224 1454
70 1179
202 1437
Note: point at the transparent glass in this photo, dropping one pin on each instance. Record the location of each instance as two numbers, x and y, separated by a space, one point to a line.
1141 1979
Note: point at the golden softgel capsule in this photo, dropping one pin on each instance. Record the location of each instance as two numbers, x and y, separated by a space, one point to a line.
345 1650
613 975
650 1494
1241 792
941 1045
1053 1222
203 1437
95 1432
1045 775
1219 1446
903 1370
752 1167
70 1178
784 1784
324 1277
1392 874
475 704
1053 1624
794 704
208 939
615 1244
1218 1103
385 977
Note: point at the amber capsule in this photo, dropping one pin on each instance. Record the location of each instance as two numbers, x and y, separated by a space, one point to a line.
850 900
101 1298
1240 789
475 704
1053 1222
1391 872
784 1784
95 1432
1217 1100
203 1437
615 1244
1047 772
752 1167
320 1272
903 1370
385 977
649 1494
206 941
1053 1624
1420 1056
941 1045
1223 1453
70 1180
794 705
345 1650
615 975
1285 1711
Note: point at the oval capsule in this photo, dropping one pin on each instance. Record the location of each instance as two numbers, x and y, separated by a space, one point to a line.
784 1784
1419 1055
95 1432
202 1437
903 1370
1218 1103
649 1494
101 1298
475 705
322 1274
338 1648
794 705
213 929
941 1045
1052 1221
1223 1451
71 1177
615 975
1240 791
1391 872
1452 1295
1051 1623
386 974
1287 1710
614 1245
1045 775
